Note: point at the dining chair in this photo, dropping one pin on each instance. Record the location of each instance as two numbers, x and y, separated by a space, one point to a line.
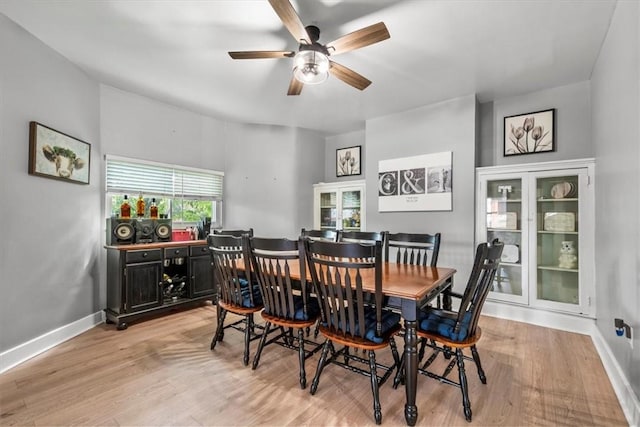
338 272
328 235
235 233
237 293
288 303
411 248
446 330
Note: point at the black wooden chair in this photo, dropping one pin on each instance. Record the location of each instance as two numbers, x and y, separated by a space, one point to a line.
327 235
236 291
338 271
411 248
235 233
288 303
453 331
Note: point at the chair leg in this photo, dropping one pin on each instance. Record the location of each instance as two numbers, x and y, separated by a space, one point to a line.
476 358
303 374
256 358
377 409
399 378
321 362
247 337
220 328
423 344
219 314
464 388
394 352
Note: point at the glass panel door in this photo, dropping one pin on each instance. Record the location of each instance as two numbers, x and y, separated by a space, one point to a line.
557 239
351 210
328 210
504 221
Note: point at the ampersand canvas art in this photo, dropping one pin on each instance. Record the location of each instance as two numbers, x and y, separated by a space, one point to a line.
419 183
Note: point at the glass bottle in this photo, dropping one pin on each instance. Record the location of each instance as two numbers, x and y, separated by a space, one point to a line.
125 208
153 209
140 206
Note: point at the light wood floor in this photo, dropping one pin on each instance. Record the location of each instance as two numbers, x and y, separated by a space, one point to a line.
161 372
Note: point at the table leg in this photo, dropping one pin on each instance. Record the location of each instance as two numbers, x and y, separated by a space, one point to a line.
409 309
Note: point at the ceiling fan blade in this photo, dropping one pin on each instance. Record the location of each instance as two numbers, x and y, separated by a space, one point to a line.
363 37
291 20
295 86
259 54
349 76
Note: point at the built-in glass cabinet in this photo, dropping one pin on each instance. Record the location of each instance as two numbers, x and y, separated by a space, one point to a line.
339 206
543 213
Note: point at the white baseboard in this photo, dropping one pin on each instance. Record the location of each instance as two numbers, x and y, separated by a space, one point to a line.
626 396
29 349
582 325
548 319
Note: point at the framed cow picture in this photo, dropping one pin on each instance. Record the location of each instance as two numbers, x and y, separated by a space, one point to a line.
56 155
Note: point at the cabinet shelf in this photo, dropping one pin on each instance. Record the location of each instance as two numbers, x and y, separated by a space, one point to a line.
571 199
554 268
502 230
557 232
510 264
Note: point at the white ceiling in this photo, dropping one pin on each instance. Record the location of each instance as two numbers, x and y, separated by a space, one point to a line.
176 52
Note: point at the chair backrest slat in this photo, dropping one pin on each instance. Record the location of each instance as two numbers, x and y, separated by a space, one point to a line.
272 260
338 272
328 235
226 251
413 248
363 237
235 233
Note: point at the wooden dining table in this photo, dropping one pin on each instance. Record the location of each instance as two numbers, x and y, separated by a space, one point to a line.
412 284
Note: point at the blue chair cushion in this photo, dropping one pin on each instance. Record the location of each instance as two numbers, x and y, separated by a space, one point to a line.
444 325
245 298
313 308
389 321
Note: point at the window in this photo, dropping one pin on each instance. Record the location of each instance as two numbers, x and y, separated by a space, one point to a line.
181 193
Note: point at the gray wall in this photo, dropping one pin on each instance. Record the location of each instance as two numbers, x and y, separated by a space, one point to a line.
268 178
49 255
615 92
268 169
573 129
447 126
141 128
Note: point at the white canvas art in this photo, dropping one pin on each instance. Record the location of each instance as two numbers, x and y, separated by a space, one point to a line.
418 183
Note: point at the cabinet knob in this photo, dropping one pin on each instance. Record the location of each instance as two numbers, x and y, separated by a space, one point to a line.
176 251
144 255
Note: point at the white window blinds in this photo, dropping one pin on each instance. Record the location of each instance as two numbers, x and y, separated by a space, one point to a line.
138 176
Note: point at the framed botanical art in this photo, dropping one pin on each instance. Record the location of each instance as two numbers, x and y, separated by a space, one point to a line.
530 133
348 161
56 155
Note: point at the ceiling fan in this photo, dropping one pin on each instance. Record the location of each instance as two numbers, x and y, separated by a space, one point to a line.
311 62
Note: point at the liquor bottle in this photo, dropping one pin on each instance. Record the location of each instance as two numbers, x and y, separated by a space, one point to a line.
140 206
153 209
125 208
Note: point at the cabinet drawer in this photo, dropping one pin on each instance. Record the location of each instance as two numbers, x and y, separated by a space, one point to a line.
199 250
181 251
144 256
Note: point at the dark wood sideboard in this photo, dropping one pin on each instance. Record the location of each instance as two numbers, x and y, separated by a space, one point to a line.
144 280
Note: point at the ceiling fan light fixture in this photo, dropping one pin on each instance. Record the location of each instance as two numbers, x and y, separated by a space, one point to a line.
311 67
